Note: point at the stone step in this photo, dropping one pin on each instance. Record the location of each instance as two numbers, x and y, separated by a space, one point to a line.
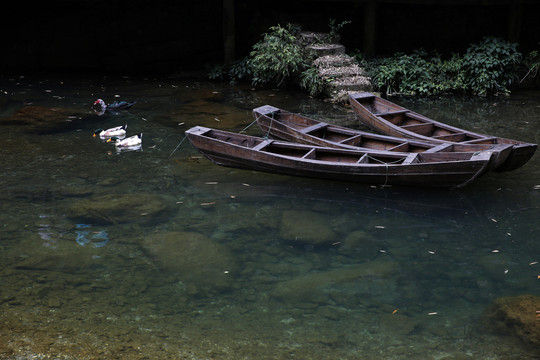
354 83
310 38
341 71
327 49
341 96
333 64
334 60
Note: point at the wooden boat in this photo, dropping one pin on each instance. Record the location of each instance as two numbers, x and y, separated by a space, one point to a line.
298 128
394 120
439 169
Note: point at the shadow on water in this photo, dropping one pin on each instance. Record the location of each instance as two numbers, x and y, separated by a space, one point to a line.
158 253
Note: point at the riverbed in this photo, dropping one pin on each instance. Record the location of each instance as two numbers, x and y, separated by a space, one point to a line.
157 253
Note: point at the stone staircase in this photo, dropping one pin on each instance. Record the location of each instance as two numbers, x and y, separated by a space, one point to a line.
340 71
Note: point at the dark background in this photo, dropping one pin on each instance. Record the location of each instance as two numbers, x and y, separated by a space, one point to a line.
183 36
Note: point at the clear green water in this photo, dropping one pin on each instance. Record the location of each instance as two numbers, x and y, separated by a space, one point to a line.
160 254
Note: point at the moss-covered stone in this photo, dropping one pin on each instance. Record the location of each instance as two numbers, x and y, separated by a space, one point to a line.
202 264
518 316
43 120
397 324
65 255
313 286
360 244
115 209
307 227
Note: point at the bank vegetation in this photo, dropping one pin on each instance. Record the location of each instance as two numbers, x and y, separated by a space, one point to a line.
492 66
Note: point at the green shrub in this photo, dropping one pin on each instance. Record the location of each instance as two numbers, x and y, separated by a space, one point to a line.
277 57
216 72
335 29
406 74
238 70
312 82
449 75
490 66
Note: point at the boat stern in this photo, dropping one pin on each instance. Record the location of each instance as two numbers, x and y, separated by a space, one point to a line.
267 110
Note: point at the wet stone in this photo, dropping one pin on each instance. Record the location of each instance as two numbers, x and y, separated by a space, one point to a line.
36 119
516 315
75 191
307 227
115 209
53 302
320 287
397 324
494 265
360 244
66 258
204 265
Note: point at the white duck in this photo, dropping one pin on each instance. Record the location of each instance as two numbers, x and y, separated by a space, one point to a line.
119 131
132 141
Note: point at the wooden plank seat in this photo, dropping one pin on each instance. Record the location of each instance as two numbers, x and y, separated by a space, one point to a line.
310 154
422 129
438 148
263 144
395 112
410 159
451 137
350 140
313 128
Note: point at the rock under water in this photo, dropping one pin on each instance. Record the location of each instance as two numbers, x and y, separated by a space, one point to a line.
307 227
42 120
516 315
118 208
203 265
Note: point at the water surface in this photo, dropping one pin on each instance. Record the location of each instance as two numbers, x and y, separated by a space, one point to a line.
158 253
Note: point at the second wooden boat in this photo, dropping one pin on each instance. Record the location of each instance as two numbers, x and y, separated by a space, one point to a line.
444 169
294 127
391 119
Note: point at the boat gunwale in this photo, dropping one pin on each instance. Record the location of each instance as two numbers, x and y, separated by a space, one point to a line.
521 152
270 120
247 157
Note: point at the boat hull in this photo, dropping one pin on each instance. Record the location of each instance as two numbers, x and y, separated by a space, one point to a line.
302 129
253 153
391 119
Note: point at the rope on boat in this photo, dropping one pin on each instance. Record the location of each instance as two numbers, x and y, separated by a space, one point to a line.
270 127
177 146
386 175
386 166
386 163
253 122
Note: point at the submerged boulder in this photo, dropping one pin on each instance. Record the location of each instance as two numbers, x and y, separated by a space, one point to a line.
202 264
307 227
116 209
397 324
319 286
361 245
518 316
37 119
52 252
